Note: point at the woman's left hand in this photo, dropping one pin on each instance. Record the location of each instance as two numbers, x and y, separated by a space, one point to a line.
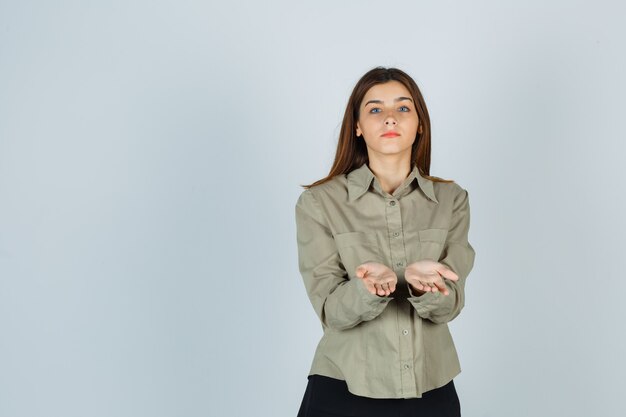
427 275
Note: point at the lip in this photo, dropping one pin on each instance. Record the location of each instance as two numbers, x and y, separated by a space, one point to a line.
390 134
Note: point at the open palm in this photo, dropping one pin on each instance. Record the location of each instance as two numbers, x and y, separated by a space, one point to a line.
378 278
427 275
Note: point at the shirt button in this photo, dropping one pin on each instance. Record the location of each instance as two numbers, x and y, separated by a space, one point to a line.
392 203
407 366
396 233
399 264
405 332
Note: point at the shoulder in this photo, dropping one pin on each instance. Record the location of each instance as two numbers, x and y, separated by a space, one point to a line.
313 202
453 198
448 191
333 189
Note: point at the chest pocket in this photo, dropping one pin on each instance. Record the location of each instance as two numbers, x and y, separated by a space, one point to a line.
431 243
356 248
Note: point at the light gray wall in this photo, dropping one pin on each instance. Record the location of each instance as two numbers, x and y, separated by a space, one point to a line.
150 156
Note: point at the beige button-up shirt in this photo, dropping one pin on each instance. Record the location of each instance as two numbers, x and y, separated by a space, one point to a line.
383 347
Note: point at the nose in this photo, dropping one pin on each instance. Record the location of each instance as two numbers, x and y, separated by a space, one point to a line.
390 121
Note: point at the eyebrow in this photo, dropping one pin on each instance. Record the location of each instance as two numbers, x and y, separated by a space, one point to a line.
395 100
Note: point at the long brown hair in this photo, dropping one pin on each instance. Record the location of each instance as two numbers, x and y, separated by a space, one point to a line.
352 152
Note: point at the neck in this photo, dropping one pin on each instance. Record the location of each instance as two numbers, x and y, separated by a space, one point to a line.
390 173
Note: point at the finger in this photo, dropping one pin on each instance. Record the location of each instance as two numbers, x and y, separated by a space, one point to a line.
446 272
442 287
379 290
385 287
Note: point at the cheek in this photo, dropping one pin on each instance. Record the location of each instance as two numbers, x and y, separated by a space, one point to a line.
370 130
408 125
410 118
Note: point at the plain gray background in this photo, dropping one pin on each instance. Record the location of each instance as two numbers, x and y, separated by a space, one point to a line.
150 160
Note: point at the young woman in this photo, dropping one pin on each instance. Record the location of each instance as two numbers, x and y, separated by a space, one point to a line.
383 250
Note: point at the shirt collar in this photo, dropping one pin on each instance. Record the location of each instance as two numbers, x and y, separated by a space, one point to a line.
360 179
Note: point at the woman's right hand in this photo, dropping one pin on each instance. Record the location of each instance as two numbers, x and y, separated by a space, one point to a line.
379 279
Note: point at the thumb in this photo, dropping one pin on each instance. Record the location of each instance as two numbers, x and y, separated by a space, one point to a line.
448 273
361 271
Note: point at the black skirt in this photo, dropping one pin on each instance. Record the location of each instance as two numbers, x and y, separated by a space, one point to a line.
329 397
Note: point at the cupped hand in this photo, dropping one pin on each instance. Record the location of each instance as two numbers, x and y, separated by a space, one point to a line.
427 275
379 279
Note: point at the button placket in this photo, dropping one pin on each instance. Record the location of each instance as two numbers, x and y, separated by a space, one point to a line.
393 215
394 224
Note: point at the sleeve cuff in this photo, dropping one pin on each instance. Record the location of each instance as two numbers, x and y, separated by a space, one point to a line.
423 303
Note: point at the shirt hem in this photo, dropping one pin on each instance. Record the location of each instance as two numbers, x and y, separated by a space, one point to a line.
360 390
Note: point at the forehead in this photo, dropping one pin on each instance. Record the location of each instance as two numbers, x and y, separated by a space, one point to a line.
386 92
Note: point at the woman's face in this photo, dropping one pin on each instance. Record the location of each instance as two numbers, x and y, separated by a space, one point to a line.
388 107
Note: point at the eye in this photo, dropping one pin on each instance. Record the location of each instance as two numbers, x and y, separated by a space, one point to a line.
405 107
374 108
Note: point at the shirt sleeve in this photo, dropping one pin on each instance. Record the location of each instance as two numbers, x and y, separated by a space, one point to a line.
458 255
340 302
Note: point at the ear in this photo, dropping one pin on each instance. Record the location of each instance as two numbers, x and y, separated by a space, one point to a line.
358 129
